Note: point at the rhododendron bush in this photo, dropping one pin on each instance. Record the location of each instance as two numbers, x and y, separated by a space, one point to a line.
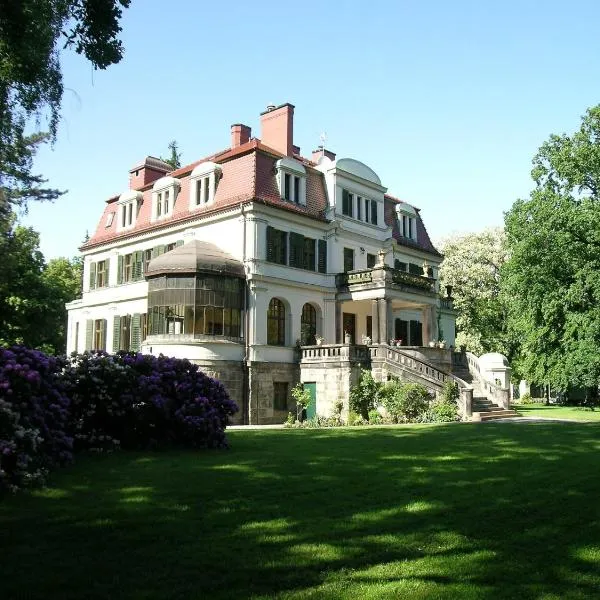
50 407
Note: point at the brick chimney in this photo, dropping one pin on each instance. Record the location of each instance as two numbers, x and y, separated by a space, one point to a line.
277 128
148 171
240 134
316 155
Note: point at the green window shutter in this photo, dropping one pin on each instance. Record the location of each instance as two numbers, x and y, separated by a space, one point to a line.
374 212
138 265
92 276
116 346
107 263
296 249
309 254
121 259
178 243
158 250
136 332
103 332
270 248
322 256
89 334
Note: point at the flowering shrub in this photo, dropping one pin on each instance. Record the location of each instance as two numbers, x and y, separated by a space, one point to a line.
34 412
50 406
140 401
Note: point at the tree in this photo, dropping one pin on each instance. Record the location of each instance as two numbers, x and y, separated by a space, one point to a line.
175 159
553 275
33 294
472 265
31 32
62 279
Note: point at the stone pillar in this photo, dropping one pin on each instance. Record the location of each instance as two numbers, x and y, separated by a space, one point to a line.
434 323
339 334
383 320
375 323
425 312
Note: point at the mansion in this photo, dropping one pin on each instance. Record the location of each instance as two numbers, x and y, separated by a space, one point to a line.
241 259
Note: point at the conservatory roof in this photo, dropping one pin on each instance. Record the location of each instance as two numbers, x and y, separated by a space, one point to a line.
194 257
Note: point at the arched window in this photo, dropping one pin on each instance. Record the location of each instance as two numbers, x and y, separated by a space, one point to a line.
276 323
308 325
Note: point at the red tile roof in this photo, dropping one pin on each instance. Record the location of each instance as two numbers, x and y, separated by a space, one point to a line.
248 175
423 241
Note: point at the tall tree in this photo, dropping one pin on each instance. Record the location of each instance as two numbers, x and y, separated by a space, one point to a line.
553 275
175 159
472 264
33 294
31 35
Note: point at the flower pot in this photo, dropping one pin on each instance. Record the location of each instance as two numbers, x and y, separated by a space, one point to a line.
319 341
432 344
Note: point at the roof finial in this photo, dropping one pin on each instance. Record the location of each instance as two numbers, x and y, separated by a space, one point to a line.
323 138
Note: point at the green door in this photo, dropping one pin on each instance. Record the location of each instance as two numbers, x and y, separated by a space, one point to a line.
311 411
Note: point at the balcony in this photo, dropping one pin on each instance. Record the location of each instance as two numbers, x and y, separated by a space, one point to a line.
384 277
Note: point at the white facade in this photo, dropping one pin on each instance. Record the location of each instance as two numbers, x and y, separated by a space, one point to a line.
289 251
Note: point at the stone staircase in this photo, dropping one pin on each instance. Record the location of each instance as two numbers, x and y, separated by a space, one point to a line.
483 409
486 410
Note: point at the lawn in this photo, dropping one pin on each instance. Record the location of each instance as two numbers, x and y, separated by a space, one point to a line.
481 511
576 413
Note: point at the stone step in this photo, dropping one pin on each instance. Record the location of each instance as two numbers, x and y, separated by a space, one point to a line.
490 416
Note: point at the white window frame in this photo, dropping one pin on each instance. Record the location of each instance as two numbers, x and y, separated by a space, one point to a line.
128 207
204 180
164 196
296 172
407 221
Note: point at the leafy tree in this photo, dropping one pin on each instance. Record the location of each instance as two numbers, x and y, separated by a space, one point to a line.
33 294
62 279
553 275
175 159
472 266
31 34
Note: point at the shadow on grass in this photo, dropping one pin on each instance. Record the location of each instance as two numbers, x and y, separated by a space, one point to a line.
460 511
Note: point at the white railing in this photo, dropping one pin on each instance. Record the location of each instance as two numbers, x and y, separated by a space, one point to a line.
492 390
334 353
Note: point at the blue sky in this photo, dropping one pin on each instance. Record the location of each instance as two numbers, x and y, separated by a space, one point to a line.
447 101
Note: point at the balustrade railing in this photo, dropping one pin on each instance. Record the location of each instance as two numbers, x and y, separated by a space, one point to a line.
491 390
385 274
335 352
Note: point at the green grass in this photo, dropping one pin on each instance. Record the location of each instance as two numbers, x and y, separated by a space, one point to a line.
478 511
576 413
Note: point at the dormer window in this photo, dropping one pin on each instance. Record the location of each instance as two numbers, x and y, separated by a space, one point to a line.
407 221
164 195
204 180
128 206
291 180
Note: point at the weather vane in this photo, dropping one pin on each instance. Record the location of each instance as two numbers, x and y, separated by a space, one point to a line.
323 138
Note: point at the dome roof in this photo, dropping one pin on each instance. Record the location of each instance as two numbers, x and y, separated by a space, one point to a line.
195 257
355 167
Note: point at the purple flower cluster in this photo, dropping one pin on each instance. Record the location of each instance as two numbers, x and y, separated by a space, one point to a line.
34 417
137 401
52 406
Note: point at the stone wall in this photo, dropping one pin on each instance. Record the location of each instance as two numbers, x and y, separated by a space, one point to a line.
262 376
333 384
231 375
